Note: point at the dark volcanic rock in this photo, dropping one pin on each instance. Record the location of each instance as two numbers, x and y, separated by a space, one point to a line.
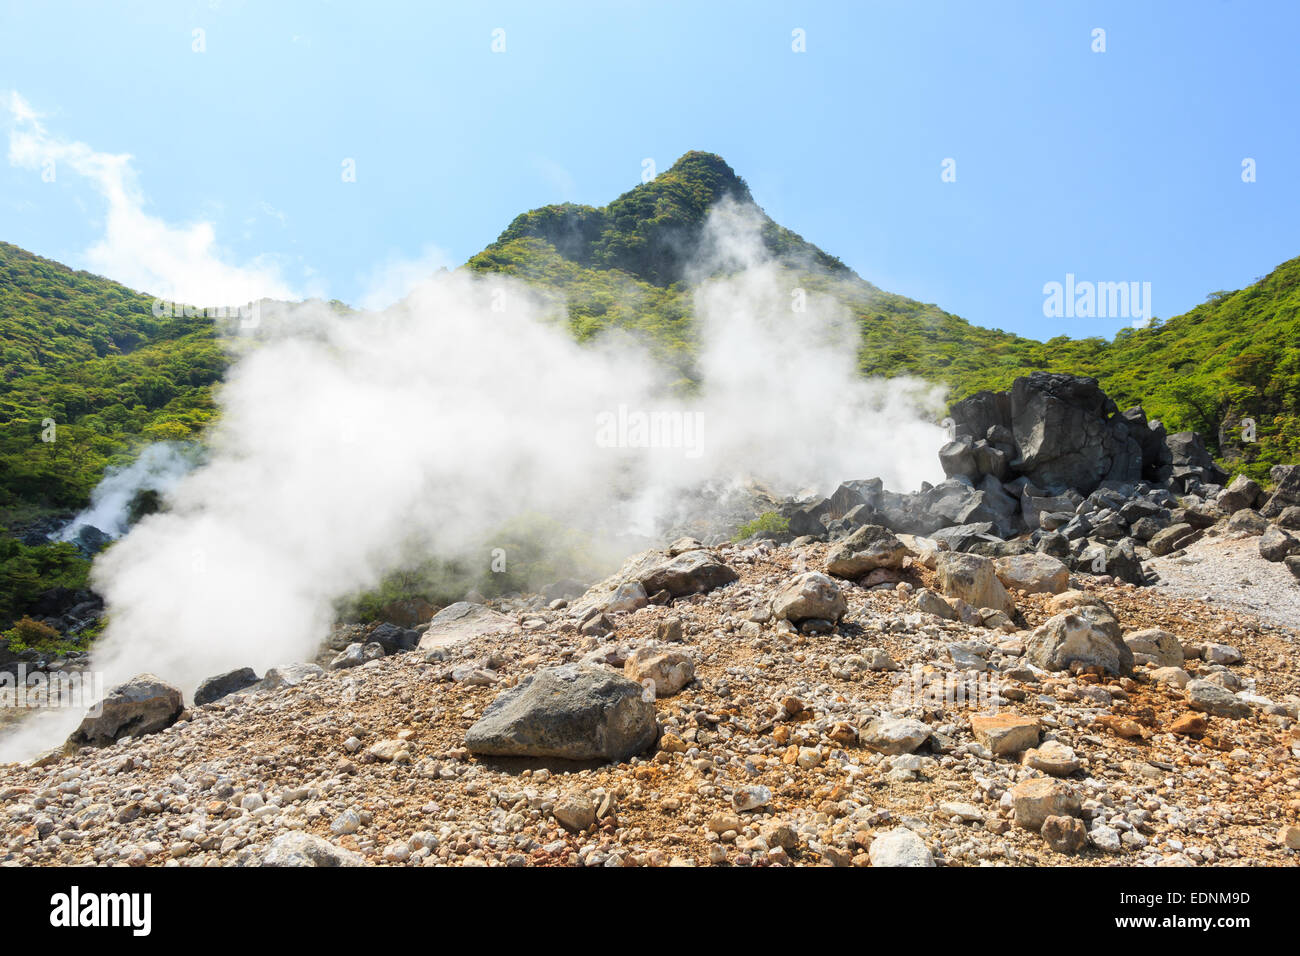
1068 433
1190 461
90 540
961 537
1150 437
214 688
394 639
1241 493
974 417
1275 544
1286 490
958 460
808 518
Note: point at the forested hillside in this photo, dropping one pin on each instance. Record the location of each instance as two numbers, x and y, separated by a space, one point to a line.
90 355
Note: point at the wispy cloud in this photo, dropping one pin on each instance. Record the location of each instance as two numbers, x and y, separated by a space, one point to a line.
177 262
392 281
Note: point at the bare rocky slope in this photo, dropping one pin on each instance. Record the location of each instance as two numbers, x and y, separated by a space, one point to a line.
830 742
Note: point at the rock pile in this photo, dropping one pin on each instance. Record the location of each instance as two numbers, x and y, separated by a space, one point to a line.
1052 468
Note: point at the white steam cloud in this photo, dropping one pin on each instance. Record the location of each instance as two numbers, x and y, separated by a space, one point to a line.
158 468
347 444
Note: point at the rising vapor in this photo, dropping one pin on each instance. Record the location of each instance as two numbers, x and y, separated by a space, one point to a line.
349 444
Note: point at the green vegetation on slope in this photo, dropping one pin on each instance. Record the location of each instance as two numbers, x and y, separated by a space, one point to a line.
90 356
88 375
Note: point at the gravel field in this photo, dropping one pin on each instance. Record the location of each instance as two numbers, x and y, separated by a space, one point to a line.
786 748
1228 571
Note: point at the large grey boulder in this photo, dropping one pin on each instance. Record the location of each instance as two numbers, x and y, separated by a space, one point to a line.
1087 634
694 572
568 712
1172 538
461 622
982 415
1033 507
853 494
297 848
808 518
1034 573
963 537
143 705
1069 434
1150 437
1248 521
214 688
1191 460
394 639
809 596
1242 492
866 549
992 461
957 458
947 499
972 578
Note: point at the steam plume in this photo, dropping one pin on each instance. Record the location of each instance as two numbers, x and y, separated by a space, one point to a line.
348 444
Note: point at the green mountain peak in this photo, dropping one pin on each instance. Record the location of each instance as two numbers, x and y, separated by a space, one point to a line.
652 231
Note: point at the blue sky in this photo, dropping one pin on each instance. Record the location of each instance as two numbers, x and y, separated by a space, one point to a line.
1117 166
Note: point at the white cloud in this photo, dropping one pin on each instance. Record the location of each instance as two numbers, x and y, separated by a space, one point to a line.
177 262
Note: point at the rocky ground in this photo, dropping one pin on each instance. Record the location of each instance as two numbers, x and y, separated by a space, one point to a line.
891 736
